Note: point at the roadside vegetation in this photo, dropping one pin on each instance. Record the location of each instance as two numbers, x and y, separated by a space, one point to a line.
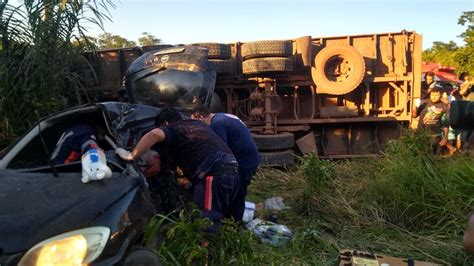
406 203
38 74
452 54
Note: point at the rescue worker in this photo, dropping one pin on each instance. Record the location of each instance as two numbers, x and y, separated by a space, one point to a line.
204 158
237 136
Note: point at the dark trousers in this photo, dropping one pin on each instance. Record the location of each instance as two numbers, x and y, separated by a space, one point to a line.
215 197
245 176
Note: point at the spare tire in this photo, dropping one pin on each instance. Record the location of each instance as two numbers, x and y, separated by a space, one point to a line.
268 64
222 67
266 49
279 141
338 69
280 158
216 50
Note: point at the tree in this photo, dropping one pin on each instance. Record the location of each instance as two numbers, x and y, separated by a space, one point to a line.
107 40
442 53
451 54
148 39
38 60
85 43
465 55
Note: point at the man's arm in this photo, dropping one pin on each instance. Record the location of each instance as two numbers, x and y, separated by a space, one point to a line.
147 141
469 236
464 88
445 126
417 110
444 140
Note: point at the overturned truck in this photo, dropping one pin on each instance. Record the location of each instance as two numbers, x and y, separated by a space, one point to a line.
340 97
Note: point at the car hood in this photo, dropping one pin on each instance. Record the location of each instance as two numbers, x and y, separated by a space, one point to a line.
37 206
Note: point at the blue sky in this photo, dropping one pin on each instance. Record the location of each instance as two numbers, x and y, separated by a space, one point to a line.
187 21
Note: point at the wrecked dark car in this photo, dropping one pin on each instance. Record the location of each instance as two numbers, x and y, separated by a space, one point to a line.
48 215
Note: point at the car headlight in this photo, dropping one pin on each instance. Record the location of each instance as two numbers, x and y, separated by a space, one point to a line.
77 247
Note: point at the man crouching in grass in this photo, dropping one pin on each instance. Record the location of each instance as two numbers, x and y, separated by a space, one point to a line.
203 157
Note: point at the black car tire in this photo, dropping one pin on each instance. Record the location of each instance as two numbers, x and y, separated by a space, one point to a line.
278 158
279 141
222 67
142 257
267 64
216 50
266 49
346 82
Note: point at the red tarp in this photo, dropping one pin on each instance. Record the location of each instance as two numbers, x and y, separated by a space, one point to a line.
442 73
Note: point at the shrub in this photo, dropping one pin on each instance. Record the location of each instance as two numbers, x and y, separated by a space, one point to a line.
37 58
417 190
179 241
318 178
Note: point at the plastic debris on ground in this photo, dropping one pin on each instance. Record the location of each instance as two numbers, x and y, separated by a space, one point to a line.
275 203
271 233
94 166
249 212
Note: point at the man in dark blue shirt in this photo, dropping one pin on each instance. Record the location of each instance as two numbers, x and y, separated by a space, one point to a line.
237 136
204 158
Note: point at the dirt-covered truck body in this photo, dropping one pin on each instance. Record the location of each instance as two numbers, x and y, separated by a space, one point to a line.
339 97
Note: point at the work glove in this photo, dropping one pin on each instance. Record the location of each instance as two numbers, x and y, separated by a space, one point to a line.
124 154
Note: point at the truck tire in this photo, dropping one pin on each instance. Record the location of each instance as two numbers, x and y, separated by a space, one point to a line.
216 50
280 141
142 257
266 49
338 70
222 67
278 158
267 64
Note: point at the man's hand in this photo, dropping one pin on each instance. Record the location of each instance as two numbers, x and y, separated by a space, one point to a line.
184 182
443 142
124 154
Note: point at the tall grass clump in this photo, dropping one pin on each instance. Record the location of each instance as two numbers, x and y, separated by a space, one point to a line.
318 176
37 58
180 241
418 191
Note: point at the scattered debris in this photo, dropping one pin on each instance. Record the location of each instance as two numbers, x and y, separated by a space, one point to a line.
271 233
354 257
249 212
94 166
275 203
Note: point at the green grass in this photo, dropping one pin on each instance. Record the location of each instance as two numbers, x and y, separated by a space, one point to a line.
38 61
406 203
